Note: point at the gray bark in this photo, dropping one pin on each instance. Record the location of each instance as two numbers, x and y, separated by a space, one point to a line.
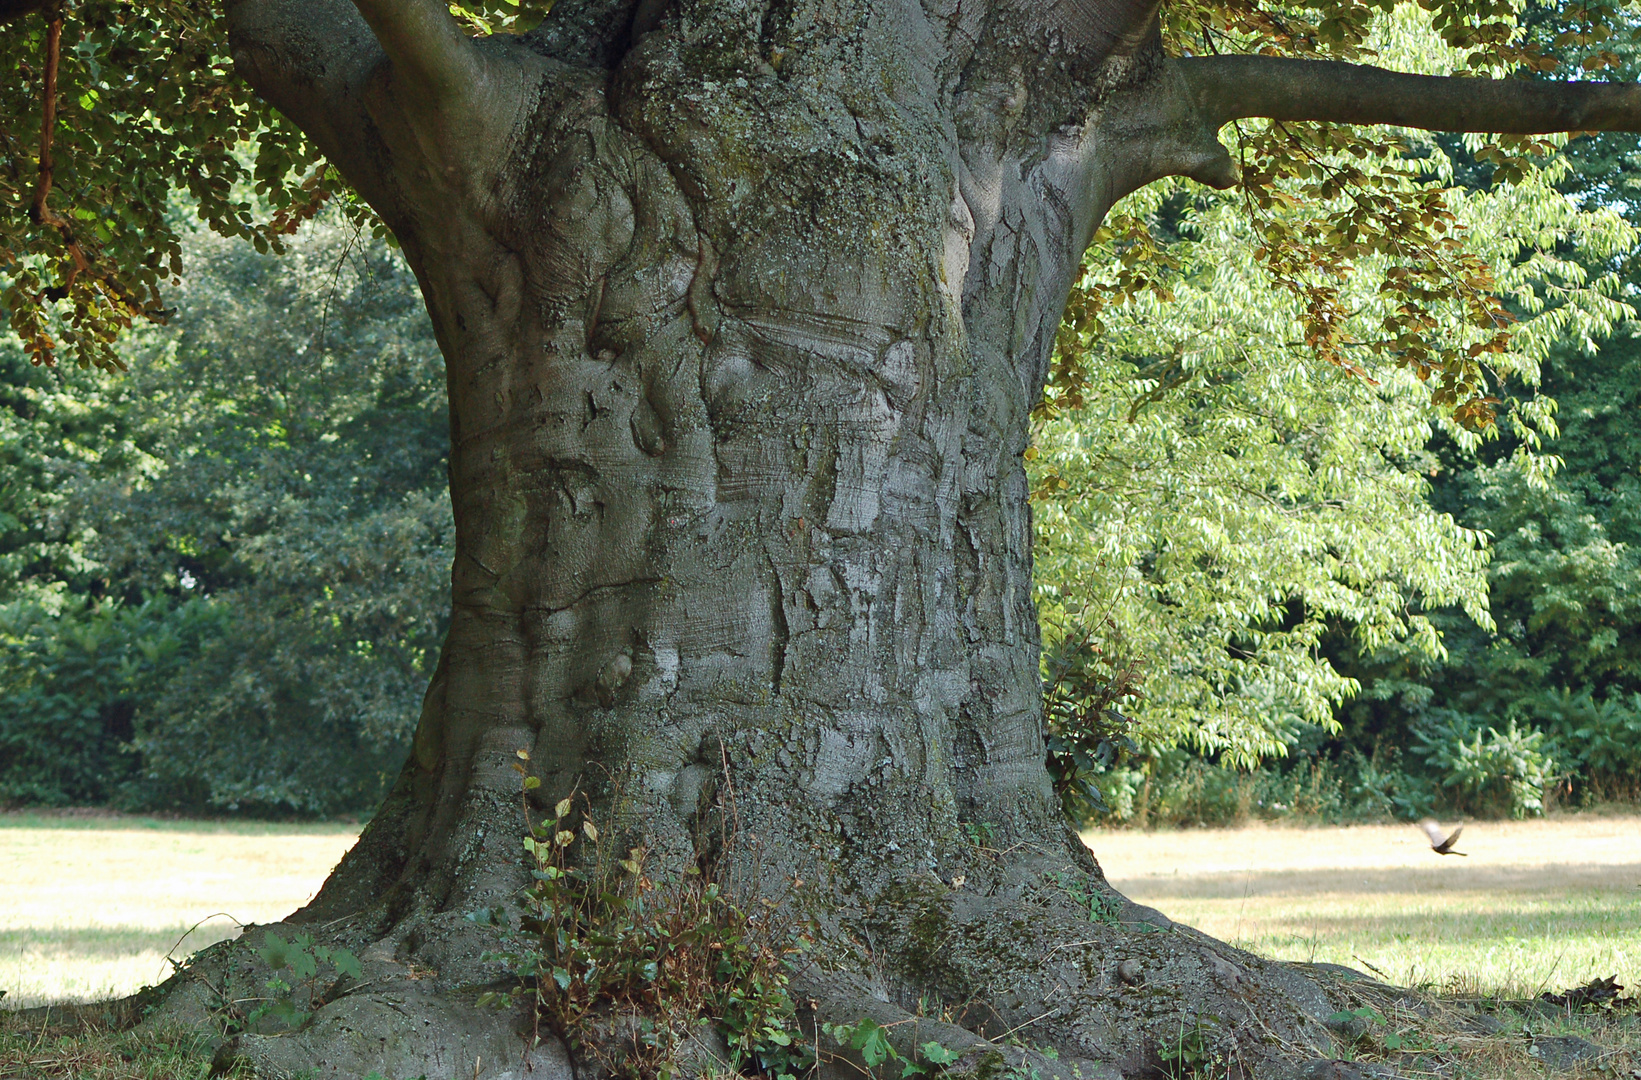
745 307
1232 87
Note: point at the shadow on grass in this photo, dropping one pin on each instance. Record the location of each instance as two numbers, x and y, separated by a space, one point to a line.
105 943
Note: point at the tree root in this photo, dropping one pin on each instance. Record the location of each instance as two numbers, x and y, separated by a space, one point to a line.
1040 967
1032 971
1010 985
398 1031
397 1017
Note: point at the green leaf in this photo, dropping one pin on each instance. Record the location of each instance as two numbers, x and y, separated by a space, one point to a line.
302 963
872 1040
346 963
275 951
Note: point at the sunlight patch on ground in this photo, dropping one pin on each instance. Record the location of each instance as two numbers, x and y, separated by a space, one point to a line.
90 907
1536 904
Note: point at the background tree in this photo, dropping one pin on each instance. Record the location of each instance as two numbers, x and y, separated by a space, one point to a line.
1561 579
744 312
1551 696
1485 729
1236 532
226 571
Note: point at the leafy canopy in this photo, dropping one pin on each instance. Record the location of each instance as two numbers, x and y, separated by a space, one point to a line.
1211 489
146 104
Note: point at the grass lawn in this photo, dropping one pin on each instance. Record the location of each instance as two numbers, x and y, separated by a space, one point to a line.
90 907
1536 905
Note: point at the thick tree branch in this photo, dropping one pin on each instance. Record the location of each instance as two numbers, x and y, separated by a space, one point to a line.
1099 28
48 122
41 210
390 90
439 64
311 59
1230 88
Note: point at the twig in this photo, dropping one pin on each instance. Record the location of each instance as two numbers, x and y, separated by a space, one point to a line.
191 929
48 129
729 788
335 276
45 1019
48 120
1369 966
1026 1024
354 989
1073 945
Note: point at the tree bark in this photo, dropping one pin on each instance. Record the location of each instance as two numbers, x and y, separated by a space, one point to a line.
745 308
1232 87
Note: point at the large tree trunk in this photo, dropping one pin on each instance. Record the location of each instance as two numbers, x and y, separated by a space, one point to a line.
745 308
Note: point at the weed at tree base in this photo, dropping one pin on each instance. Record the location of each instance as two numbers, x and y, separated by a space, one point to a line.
644 973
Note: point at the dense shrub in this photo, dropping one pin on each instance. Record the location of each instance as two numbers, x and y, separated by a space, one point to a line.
70 685
1596 742
1487 772
1177 787
227 571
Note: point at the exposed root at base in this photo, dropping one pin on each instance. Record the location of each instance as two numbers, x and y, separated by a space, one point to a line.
1030 981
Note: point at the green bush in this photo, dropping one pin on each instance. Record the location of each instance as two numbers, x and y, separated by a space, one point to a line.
1491 773
195 706
1176 787
1085 735
272 467
70 686
1598 741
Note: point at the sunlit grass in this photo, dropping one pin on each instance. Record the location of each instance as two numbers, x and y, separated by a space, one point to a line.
91 907
1513 944
1536 905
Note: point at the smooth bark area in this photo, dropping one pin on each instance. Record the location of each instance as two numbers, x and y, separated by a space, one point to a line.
745 306
1233 87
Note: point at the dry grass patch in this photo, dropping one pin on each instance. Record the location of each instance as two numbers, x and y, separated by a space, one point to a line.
76 1050
1448 1037
90 907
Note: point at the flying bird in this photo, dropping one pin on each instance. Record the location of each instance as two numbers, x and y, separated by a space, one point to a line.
1437 844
